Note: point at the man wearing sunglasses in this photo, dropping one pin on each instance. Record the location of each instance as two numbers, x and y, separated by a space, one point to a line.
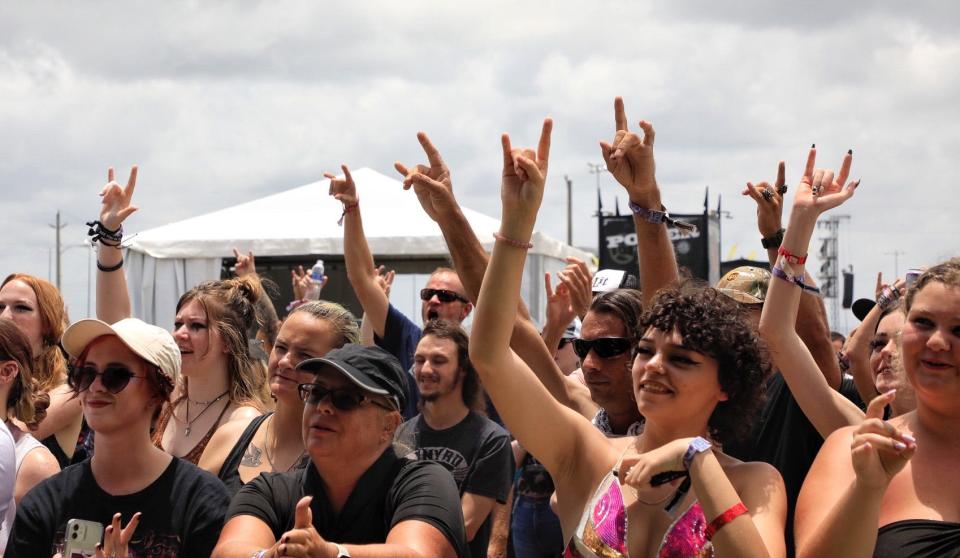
357 495
443 297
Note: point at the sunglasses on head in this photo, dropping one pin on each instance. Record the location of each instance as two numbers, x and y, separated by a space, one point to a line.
114 377
605 347
443 295
341 399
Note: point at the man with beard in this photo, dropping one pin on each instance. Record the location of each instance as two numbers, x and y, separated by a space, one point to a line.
451 431
443 296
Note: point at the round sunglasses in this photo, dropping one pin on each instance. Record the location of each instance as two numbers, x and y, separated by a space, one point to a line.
114 377
604 347
341 399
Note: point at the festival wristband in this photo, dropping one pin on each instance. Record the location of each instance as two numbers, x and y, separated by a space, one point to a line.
697 445
796 280
721 520
797 260
658 217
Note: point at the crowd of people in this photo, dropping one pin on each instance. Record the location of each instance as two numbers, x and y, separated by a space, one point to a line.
650 414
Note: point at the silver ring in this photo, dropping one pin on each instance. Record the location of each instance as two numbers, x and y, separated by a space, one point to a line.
767 194
816 189
782 189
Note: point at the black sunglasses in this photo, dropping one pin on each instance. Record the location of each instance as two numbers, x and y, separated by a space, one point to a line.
443 295
605 347
342 399
114 377
564 341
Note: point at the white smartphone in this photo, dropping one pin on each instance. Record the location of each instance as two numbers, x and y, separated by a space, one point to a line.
81 538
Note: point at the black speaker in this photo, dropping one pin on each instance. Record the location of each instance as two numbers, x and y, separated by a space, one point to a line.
847 289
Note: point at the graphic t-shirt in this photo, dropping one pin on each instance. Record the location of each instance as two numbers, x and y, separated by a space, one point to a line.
182 512
477 453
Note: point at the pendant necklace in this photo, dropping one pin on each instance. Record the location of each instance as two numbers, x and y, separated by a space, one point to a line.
266 448
189 423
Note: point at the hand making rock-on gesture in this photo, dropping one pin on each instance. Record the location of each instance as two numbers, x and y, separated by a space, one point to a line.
431 183
769 202
115 206
629 159
522 184
820 189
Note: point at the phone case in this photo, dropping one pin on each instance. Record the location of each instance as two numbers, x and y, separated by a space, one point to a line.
81 538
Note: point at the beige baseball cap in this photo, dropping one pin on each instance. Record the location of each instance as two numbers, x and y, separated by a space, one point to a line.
745 284
153 344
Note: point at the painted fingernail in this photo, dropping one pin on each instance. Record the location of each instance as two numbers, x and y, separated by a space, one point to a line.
909 438
890 393
900 446
813 146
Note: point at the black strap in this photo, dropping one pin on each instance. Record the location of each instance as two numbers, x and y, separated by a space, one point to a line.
106 269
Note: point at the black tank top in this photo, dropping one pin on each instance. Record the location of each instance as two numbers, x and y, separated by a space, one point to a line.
918 538
229 472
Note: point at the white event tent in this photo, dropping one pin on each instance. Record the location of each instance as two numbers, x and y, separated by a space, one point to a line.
164 262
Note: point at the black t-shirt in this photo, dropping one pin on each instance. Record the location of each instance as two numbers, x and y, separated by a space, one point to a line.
182 512
392 490
476 451
786 439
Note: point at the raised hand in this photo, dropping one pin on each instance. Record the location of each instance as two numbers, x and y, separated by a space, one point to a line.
115 206
115 539
559 309
630 160
343 189
300 280
303 539
579 281
769 202
524 177
879 450
245 263
820 190
385 279
431 183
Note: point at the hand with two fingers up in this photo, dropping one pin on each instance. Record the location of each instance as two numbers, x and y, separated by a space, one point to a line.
431 183
629 158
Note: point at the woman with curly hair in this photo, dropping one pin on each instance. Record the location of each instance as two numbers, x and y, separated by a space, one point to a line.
220 382
21 400
37 308
696 376
882 488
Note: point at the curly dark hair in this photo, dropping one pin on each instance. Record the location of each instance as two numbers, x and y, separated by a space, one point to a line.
711 323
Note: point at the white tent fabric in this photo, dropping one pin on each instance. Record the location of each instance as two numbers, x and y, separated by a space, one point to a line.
162 263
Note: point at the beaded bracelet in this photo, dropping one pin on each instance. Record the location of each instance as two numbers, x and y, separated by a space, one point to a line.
658 217
798 260
511 242
796 280
347 208
721 520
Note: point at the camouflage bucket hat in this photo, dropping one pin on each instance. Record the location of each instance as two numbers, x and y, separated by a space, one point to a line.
745 284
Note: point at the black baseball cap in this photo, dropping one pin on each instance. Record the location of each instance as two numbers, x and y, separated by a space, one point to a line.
370 368
861 307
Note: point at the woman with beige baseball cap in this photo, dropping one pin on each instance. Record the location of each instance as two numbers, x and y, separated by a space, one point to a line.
144 497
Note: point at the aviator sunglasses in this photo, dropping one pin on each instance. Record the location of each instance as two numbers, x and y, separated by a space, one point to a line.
114 377
443 295
341 399
605 347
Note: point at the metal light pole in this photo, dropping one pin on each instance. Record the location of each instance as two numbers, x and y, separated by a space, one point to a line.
569 209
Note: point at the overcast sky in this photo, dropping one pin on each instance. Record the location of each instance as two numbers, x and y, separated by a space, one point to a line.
225 102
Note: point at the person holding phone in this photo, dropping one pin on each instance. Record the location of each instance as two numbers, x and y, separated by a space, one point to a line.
149 502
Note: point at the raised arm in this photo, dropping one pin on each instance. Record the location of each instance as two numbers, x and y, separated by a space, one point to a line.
113 298
817 192
630 160
548 430
811 325
838 511
361 272
434 189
